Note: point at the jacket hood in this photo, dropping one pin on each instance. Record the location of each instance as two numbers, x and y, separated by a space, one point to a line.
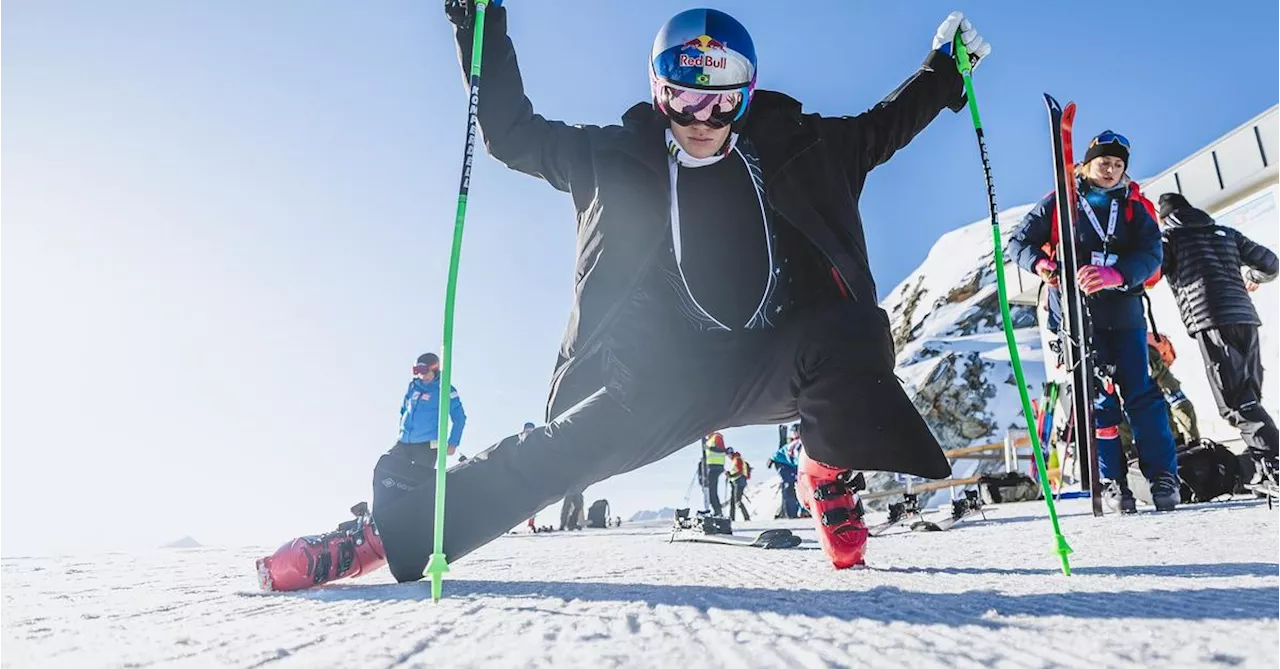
1187 217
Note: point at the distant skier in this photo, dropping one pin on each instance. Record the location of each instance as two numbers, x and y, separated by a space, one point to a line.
711 467
1202 263
722 280
1120 258
739 476
420 414
784 461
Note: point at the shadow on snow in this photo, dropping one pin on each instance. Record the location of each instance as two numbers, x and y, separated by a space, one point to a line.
885 603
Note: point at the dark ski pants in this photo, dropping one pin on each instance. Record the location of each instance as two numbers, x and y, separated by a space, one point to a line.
712 483
832 369
1126 352
570 511
790 502
1233 360
737 498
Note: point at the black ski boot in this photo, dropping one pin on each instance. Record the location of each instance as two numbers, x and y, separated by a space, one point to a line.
1166 491
1119 497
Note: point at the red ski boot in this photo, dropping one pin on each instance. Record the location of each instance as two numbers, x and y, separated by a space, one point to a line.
837 512
353 549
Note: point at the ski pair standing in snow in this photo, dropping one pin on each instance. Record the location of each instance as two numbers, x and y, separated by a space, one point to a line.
722 280
1118 243
1202 263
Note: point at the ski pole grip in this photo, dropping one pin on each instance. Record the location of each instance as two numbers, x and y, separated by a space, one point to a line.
962 56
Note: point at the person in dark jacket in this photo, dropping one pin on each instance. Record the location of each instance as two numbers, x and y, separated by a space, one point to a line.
1118 243
722 280
1202 263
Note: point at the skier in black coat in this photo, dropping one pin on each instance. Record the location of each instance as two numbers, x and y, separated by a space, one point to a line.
722 280
1202 263
1118 242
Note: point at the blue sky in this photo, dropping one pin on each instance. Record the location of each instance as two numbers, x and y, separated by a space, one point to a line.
227 224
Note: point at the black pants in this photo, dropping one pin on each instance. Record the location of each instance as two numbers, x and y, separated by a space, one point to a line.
737 494
570 511
712 483
1233 360
832 369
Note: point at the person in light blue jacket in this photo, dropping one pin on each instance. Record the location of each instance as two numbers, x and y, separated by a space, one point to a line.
419 413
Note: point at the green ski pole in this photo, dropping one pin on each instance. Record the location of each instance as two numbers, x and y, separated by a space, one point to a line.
438 564
966 70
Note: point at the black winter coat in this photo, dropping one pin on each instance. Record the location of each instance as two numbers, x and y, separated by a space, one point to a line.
1136 245
814 170
1202 262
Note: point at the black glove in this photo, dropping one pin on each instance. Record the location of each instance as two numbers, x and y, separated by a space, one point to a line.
462 13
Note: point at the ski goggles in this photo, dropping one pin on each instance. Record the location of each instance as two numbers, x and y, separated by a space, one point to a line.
1109 137
426 369
715 108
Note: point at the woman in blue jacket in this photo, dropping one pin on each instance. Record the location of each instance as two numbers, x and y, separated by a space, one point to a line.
419 413
1119 248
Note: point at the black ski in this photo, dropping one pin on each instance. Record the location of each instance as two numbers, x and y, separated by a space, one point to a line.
899 512
1076 328
710 529
778 538
1266 489
960 509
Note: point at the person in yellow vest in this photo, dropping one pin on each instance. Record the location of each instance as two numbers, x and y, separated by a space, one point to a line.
739 473
711 467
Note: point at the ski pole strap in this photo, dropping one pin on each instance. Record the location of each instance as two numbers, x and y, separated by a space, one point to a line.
1151 316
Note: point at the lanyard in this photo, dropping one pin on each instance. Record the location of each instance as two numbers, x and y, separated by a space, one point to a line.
1093 219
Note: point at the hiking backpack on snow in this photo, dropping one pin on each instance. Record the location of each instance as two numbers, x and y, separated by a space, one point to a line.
598 514
1208 470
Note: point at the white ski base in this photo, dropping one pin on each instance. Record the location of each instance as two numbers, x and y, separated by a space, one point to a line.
1197 587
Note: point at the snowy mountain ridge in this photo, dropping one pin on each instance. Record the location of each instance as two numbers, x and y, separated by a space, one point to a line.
952 357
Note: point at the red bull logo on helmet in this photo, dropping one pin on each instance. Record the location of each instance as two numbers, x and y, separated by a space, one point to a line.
705 44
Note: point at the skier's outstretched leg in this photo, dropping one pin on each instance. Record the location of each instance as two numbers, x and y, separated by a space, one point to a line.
505 484
351 550
853 414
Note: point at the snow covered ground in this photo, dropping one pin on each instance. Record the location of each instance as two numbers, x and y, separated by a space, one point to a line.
1195 588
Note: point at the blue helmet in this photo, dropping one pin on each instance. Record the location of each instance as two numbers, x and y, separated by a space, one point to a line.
703 50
